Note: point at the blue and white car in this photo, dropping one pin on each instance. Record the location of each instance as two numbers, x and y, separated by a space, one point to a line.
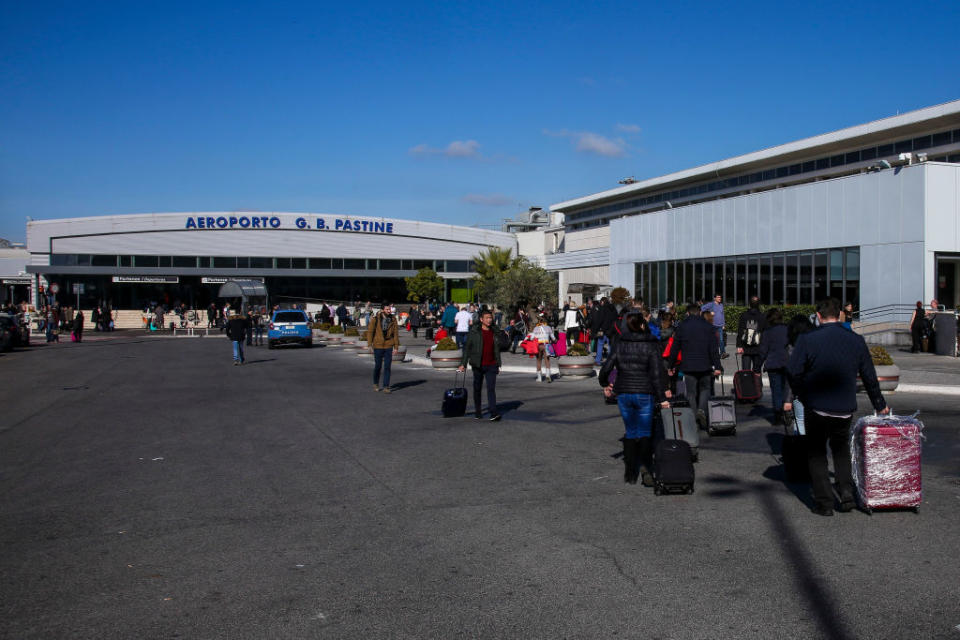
289 326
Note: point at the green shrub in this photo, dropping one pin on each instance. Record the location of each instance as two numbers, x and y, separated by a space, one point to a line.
447 344
578 349
336 329
351 331
732 313
880 356
325 326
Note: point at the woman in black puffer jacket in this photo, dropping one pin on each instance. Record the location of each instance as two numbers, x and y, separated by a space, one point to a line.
639 386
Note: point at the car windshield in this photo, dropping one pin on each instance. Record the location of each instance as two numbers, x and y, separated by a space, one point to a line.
289 316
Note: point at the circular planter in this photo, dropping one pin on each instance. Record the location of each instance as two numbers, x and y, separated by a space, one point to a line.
576 366
317 334
445 359
364 352
888 375
350 342
400 354
334 339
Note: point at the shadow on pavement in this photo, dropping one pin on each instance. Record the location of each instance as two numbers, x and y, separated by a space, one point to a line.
406 384
260 360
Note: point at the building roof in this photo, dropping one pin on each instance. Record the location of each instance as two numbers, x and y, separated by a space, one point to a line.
922 120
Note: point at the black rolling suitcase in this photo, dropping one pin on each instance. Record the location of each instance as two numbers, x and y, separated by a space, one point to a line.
455 399
672 467
429 333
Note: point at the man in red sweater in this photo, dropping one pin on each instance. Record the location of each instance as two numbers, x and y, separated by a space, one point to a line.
483 355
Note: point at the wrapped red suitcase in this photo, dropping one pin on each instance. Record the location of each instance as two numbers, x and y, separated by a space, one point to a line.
886 454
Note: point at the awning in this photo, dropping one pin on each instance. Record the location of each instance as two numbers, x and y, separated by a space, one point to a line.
242 289
585 287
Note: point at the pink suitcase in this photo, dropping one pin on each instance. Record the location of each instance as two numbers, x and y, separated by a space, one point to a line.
560 346
886 454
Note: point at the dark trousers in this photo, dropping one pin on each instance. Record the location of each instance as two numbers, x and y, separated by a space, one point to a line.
699 388
821 430
778 382
916 336
488 373
752 362
382 359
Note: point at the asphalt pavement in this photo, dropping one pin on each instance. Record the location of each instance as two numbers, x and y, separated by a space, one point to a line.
150 489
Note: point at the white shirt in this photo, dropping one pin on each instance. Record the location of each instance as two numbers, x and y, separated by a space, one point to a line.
543 333
463 319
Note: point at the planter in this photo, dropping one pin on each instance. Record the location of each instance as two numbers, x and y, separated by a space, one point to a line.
334 339
445 359
364 352
317 334
350 342
888 375
576 366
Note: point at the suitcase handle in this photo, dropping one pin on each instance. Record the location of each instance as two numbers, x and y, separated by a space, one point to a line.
456 375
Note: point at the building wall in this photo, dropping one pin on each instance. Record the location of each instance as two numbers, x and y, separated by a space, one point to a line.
881 212
595 238
942 219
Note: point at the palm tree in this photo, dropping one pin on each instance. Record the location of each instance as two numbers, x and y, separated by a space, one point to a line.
490 263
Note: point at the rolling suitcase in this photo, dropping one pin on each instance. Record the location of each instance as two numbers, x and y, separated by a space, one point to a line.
886 451
429 333
560 346
672 467
722 414
455 399
680 423
747 385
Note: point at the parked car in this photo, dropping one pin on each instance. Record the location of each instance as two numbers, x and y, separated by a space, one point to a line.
289 326
11 334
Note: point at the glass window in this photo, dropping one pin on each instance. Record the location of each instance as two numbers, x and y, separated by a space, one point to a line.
823 163
790 279
460 265
763 285
753 277
261 263
805 280
697 284
126 261
778 281
63 259
868 154
354 263
185 262
836 274
821 287
422 264
638 281
941 138
810 165
729 282
146 261
243 263
836 161
923 142
406 265
690 282
283 263
884 150
390 265
667 292
852 282
440 266
165 261
336 263
298 263
794 169
220 262
853 156
853 263
903 146
103 261
741 284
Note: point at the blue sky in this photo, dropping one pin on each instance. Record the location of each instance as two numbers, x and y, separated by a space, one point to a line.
455 112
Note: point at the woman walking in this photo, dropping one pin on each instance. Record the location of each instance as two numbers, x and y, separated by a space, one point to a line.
773 356
78 327
543 335
917 325
639 386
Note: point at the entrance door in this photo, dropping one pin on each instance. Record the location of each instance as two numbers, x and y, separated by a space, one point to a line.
947 281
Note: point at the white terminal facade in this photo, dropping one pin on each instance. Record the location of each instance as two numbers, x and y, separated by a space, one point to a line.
869 214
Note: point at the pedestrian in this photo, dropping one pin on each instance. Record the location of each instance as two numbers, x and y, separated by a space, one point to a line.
846 316
250 325
918 322
930 325
605 318
236 328
750 330
543 335
463 320
78 327
719 323
639 387
383 336
483 356
51 325
696 339
823 370
324 313
414 317
211 316
772 355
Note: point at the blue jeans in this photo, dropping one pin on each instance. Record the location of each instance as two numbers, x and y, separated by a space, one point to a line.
238 351
721 339
258 332
461 339
636 409
602 340
777 384
382 359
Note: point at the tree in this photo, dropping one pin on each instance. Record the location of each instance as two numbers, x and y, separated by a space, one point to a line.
525 284
424 286
491 263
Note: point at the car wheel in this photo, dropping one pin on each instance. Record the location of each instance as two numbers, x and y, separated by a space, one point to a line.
308 344
270 344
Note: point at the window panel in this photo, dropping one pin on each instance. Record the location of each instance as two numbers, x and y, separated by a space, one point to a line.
283 263
806 278
146 261
220 262
185 262
868 154
298 263
790 278
354 263
390 265
103 261
126 261
821 288
263 263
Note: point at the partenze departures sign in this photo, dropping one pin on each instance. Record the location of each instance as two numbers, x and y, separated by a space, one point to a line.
273 222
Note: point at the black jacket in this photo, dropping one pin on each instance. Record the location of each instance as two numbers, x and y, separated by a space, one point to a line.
473 349
773 347
759 322
606 319
697 340
637 361
823 370
237 328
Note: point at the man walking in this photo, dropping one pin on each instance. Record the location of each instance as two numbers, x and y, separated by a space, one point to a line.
719 323
237 328
823 371
463 320
383 335
448 319
695 343
605 317
749 330
483 356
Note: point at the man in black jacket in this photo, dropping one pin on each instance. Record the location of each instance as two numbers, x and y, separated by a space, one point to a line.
823 371
236 330
749 330
603 323
695 342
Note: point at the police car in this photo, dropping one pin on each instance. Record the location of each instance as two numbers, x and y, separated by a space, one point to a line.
289 326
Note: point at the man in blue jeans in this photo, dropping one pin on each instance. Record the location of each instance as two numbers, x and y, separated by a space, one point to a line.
719 322
237 328
383 336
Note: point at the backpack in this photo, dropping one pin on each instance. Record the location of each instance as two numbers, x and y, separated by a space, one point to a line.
751 336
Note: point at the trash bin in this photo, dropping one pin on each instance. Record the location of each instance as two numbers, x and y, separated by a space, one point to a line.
945 324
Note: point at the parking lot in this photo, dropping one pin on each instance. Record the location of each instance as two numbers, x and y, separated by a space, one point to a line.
150 489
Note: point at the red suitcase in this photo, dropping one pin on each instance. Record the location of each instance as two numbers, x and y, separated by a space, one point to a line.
747 384
886 455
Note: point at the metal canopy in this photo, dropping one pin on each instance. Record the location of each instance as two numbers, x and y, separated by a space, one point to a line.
242 289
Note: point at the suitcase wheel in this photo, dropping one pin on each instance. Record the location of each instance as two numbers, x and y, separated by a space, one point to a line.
690 489
656 490
695 457
916 509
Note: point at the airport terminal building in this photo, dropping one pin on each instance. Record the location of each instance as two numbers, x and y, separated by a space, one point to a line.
129 261
869 214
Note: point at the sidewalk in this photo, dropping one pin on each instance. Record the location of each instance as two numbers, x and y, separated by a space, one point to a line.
919 372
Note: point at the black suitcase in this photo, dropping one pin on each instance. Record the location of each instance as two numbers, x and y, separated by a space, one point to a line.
429 333
672 467
455 399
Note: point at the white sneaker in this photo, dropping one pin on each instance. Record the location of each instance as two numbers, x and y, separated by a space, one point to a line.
539 377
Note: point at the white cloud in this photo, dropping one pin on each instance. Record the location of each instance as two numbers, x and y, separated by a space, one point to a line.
456 149
589 142
628 128
488 200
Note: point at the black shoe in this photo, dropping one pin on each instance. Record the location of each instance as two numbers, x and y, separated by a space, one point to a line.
478 416
646 478
495 417
846 506
821 510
